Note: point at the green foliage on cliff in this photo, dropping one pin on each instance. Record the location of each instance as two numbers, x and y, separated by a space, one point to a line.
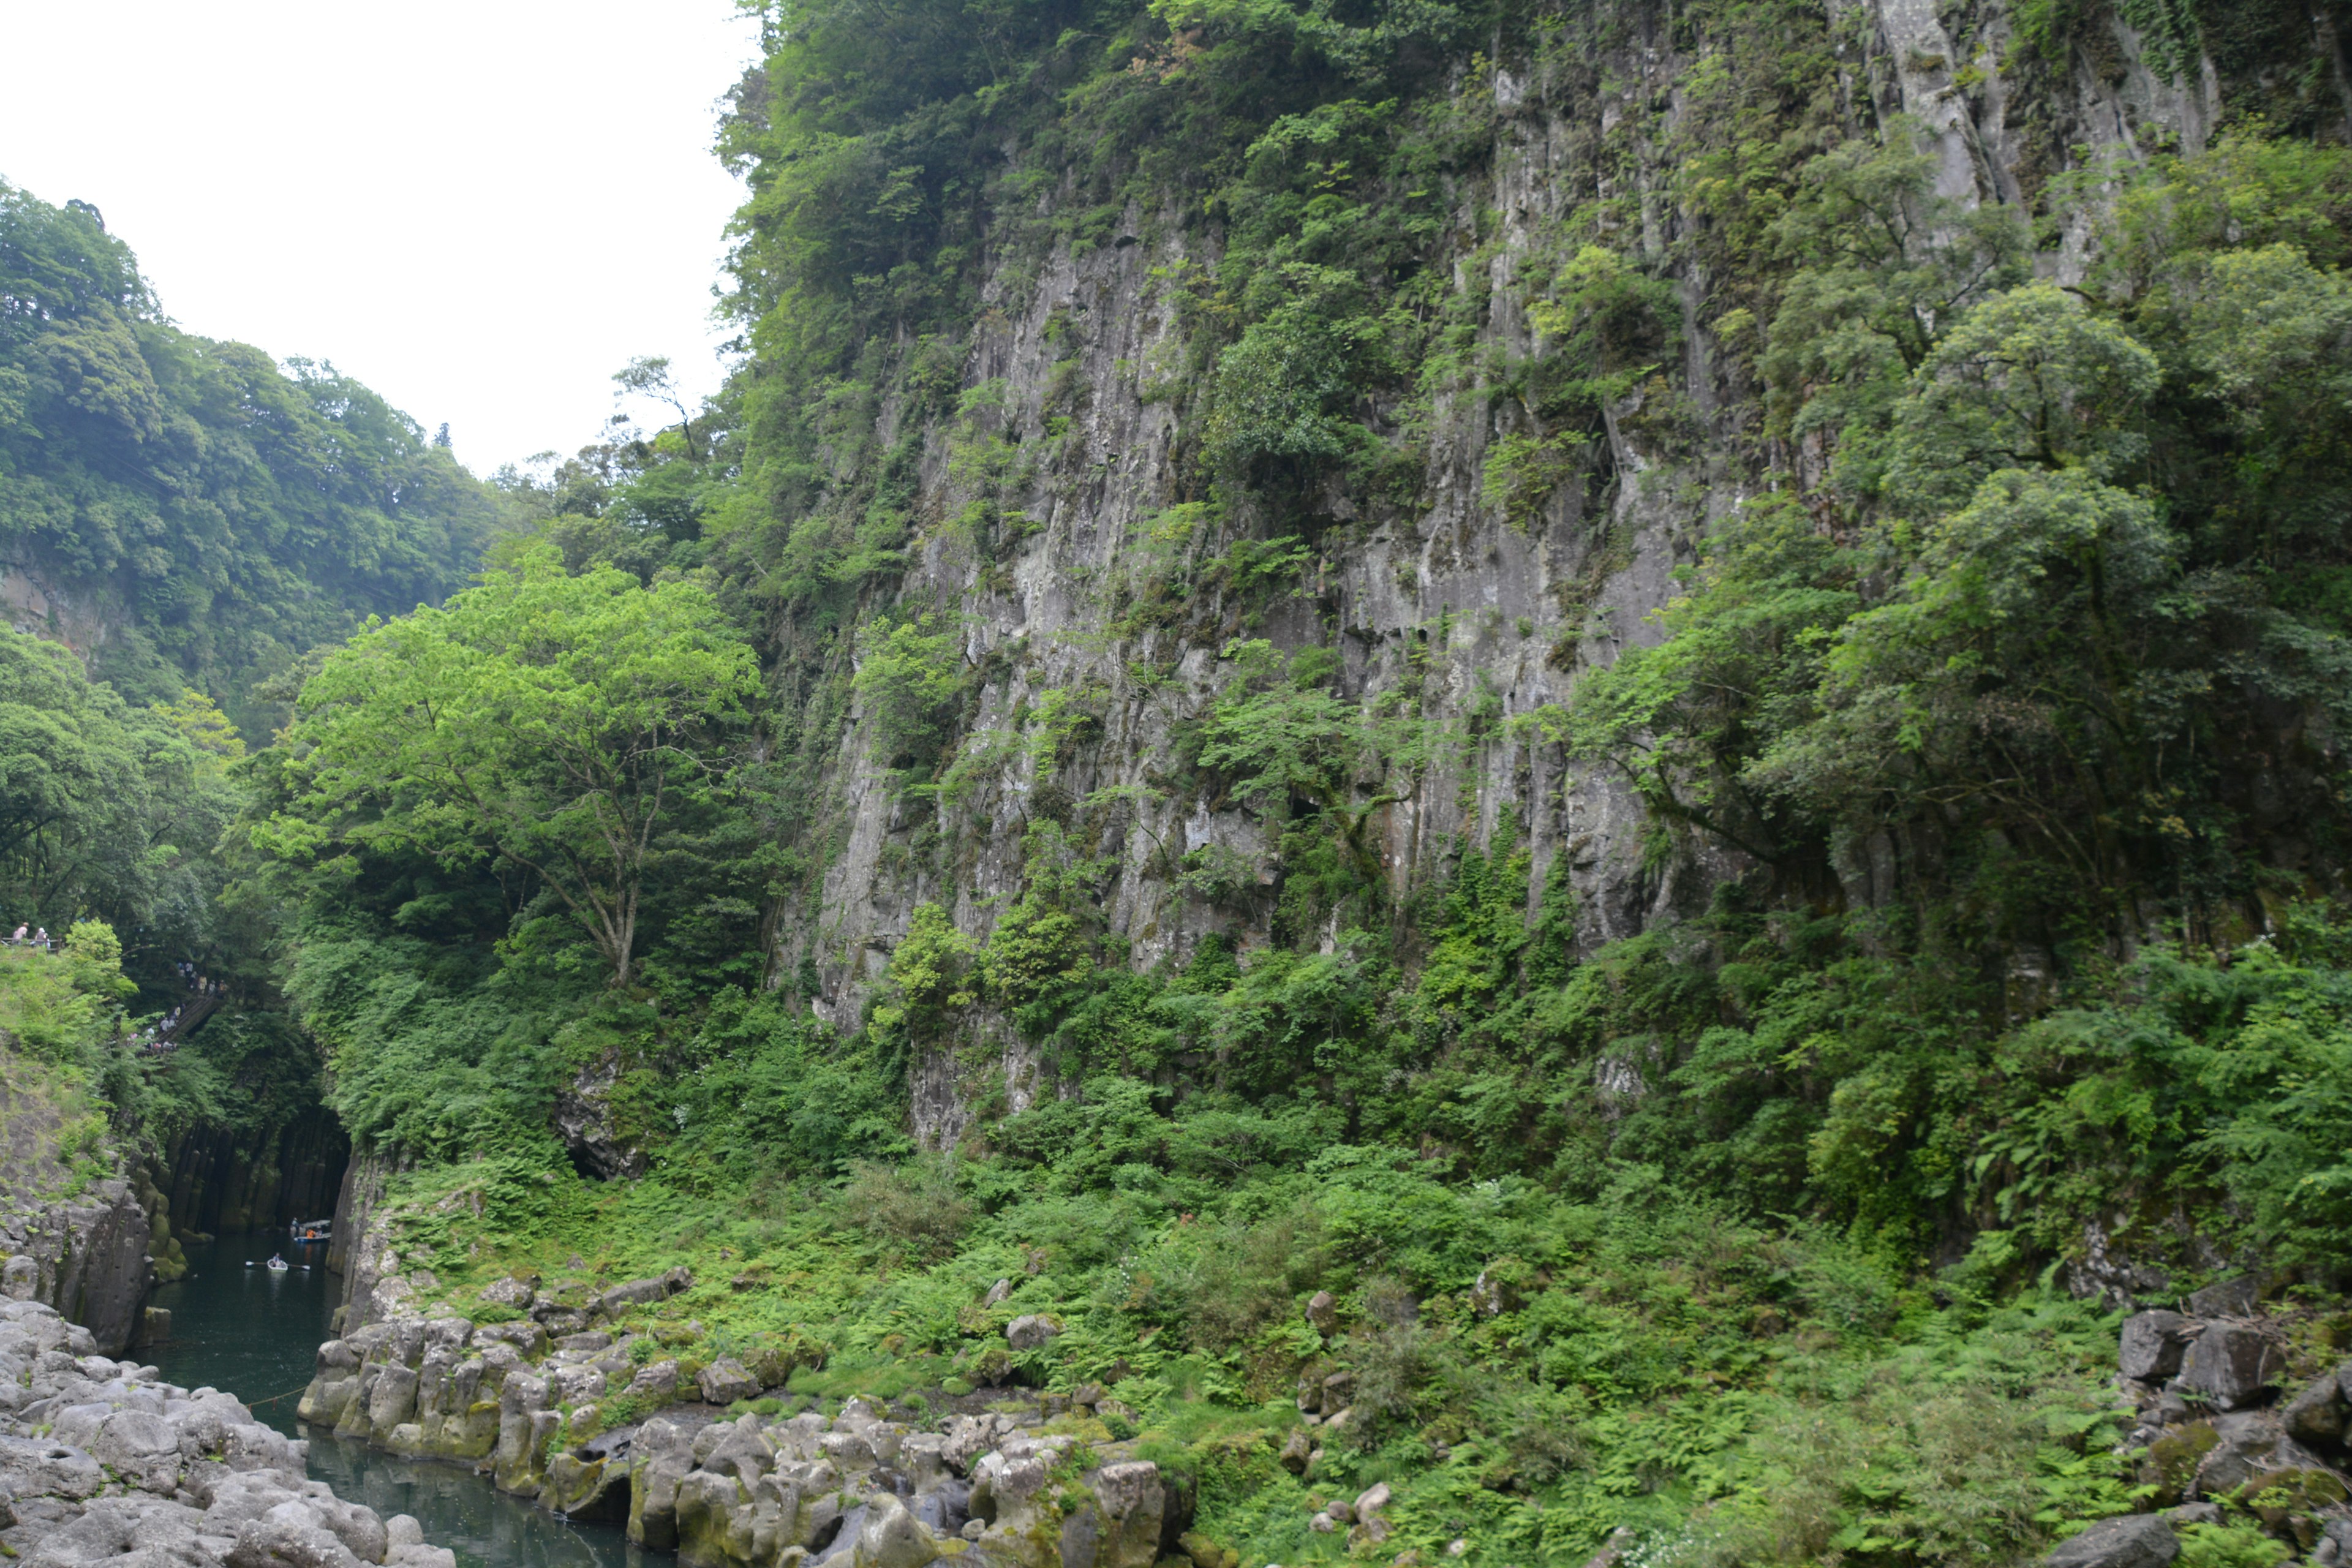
2076 570
2001 717
569 728
108 808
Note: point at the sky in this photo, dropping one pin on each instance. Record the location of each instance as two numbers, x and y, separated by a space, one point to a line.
481 208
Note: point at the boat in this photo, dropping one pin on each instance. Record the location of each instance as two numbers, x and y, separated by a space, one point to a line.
312 1229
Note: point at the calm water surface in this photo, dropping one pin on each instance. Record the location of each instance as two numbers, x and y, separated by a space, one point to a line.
255 1333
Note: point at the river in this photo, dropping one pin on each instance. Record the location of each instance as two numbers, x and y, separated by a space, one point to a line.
255 1333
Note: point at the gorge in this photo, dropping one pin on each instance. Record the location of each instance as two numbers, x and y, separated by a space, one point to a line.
1398 781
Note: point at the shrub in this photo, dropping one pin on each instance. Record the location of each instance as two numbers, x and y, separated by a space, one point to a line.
914 1208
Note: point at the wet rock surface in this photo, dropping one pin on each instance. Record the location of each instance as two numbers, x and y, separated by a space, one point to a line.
100 1461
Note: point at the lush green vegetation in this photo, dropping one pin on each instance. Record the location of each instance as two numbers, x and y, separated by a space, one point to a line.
182 520
204 515
80 1093
2014 684
2007 705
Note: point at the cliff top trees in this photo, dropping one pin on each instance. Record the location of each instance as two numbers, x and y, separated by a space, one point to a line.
573 728
225 512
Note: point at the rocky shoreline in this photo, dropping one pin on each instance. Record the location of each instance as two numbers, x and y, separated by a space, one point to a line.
100 1461
594 1420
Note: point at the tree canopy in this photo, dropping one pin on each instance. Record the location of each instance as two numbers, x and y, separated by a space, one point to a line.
576 728
217 513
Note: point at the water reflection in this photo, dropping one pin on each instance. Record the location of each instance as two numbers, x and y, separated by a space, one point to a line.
255 1332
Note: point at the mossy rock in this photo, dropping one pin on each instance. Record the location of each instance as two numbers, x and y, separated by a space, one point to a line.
1081 1426
2284 1499
2172 1460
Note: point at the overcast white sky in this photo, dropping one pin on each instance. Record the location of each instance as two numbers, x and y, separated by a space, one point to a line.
482 209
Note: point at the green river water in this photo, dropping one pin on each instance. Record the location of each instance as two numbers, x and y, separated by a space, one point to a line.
254 1333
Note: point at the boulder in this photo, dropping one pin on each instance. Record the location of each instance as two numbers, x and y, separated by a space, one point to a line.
2316 1416
140 1447
1496 1290
2246 1444
1030 1331
656 1382
1131 1506
2152 1345
284 1542
637 1292
725 1381
1323 1312
967 1438
996 1293
890 1537
2232 1366
2225 1298
2133 1541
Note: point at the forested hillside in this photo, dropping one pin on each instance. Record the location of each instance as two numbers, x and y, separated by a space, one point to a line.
1579 766
186 512
182 521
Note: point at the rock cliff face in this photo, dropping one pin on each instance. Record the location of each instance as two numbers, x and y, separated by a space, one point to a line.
1482 617
84 1257
360 1251
220 1181
33 604
71 1237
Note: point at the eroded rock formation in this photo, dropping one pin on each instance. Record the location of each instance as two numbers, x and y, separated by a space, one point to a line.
100 1461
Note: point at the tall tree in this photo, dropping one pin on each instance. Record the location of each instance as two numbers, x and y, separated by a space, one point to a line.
576 728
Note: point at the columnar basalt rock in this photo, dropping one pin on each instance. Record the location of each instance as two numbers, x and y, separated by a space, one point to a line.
101 1460
86 1256
1473 614
857 1489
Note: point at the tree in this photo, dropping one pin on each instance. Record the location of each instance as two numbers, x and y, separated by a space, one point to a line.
223 511
575 727
105 807
648 376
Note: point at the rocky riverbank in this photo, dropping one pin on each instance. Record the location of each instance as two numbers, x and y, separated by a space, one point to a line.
102 1462
595 1420
592 1404
86 1257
